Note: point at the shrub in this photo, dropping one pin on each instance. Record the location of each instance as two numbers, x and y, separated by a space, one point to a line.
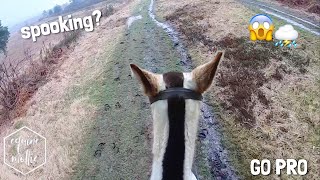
109 10
17 85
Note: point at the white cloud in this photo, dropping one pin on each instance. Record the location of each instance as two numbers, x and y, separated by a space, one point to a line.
286 32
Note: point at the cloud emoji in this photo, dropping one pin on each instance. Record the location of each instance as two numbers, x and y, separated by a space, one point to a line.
286 32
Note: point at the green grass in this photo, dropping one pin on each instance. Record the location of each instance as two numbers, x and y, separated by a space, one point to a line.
118 145
19 124
259 143
241 142
201 163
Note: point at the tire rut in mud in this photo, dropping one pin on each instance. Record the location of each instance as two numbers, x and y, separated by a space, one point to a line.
119 142
209 145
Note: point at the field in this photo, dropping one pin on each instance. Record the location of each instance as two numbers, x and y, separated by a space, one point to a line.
265 100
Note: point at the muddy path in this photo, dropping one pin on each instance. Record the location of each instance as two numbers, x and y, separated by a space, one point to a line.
118 145
209 136
291 16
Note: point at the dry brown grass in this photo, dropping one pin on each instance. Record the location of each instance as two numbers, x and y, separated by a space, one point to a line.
55 113
312 6
268 97
20 79
309 9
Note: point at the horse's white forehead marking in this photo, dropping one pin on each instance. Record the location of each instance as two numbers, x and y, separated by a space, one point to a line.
187 81
161 129
192 113
161 83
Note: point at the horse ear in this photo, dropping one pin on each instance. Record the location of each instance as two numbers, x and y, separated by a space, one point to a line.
147 79
203 75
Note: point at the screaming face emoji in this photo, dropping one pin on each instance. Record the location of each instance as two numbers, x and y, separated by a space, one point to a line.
261 28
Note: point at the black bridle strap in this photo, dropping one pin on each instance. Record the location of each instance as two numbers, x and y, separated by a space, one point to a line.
176 92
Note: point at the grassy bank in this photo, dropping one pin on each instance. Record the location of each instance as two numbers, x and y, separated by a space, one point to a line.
265 97
118 144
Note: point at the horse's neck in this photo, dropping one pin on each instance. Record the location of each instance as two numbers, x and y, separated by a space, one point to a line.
175 132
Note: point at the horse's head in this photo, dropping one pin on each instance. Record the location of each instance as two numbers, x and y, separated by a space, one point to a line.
175 102
199 80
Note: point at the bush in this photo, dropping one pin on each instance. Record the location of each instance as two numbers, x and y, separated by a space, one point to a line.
79 4
17 87
109 10
10 84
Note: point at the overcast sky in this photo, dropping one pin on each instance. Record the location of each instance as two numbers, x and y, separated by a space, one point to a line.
16 11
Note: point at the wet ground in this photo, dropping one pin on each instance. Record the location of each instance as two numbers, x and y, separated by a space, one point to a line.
241 95
291 16
119 146
209 136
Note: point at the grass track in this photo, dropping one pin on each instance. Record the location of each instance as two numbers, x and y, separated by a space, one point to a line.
118 145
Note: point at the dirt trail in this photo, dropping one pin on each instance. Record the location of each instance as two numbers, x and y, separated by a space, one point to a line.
94 95
119 144
217 154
